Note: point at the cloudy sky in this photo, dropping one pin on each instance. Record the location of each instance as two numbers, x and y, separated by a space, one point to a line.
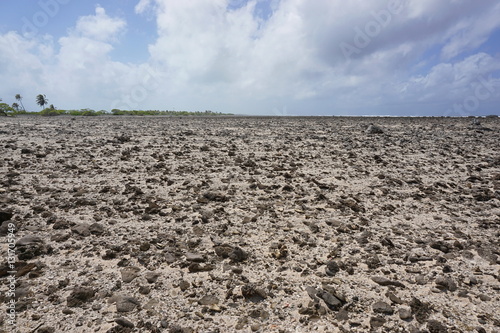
275 57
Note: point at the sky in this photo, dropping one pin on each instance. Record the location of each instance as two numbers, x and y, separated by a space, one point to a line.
255 57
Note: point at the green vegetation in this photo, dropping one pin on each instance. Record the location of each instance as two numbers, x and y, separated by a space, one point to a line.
42 101
19 98
5 109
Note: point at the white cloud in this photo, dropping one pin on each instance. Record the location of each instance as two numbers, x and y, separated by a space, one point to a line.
471 33
230 55
99 27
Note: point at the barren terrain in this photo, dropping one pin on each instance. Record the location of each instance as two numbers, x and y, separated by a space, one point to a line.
225 224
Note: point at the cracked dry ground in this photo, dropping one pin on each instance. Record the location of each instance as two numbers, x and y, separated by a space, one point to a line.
131 224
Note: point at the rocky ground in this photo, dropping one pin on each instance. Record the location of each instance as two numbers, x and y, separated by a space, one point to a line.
131 224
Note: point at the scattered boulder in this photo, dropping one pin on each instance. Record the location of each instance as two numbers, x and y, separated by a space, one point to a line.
124 322
383 308
31 246
373 129
79 296
81 229
253 293
129 273
127 304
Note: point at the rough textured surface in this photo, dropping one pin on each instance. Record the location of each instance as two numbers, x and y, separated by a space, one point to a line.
252 224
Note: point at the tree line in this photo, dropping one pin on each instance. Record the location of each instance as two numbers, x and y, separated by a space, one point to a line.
18 108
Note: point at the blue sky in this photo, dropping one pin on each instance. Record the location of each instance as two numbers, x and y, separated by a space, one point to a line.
275 57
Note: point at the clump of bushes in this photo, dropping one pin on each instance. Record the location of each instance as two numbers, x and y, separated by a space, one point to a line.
6 109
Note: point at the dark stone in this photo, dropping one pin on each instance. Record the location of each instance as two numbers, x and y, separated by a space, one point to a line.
342 315
373 129
5 216
195 257
215 196
446 283
61 224
152 277
382 307
29 247
386 282
60 237
127 304
129 273
124 322
441 246
421 310
145 246
208 300
253 293
144 290
331 301
373 262
79 296
196 267
435 326
312 292
184 285
223 250
332 268
96 229
6 229
238 254
377 322
82 229
405 314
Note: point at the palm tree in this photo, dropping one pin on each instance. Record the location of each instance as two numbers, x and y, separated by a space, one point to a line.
19 98
15 106
42 100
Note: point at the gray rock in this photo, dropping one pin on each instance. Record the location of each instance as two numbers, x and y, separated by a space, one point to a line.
195 257
332 268
152 277
446 283
253 293
377 322
312 292
184 285
29 240
96 229
331 301
386 282
435 326
238 254
235 253
405 314
4 227
31 246
420 310
79 296
208 300
127 304
129 273
373 129
60 237
124 322
196 267
61 224
5 216
82 229
382 307
223 250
